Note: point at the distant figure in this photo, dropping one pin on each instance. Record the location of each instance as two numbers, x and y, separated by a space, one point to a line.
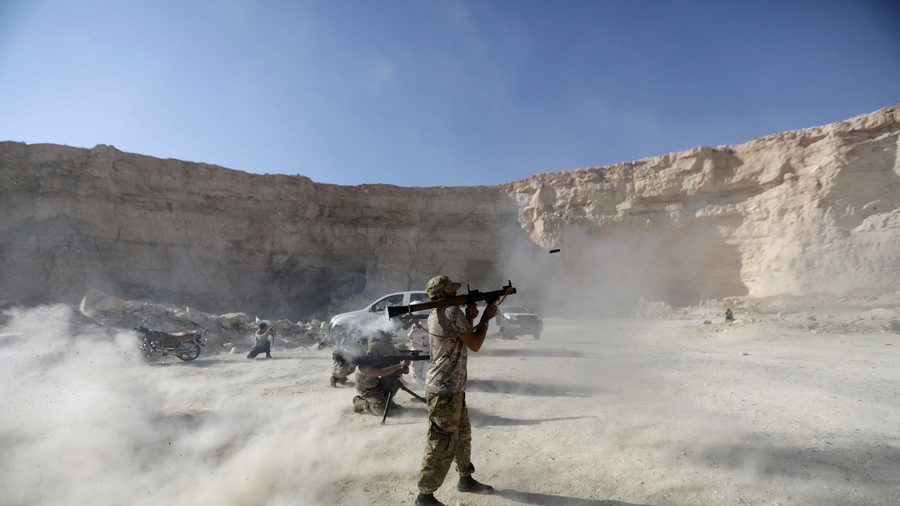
373 385
729 316
265 336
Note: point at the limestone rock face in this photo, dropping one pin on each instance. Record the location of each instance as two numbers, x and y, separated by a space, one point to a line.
812 211
138 227
801 212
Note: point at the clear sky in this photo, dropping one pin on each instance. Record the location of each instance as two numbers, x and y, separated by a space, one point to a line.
428 92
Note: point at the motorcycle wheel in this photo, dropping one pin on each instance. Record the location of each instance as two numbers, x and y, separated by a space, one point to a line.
188 352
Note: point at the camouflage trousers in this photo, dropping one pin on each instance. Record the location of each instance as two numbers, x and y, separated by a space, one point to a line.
342 372
449 439
373 401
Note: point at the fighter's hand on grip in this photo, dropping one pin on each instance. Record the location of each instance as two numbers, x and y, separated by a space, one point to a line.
471 311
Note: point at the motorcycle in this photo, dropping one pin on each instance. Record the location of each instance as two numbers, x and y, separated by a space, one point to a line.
184 345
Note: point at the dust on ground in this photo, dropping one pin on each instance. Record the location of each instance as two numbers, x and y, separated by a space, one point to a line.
620 411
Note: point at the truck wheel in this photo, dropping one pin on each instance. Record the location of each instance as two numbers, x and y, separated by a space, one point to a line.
537 336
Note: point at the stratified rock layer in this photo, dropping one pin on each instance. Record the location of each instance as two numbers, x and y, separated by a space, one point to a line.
214 238
812 211
802 212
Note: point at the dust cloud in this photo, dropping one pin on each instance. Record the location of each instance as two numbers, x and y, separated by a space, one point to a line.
86 421
590 276
608 274
598 411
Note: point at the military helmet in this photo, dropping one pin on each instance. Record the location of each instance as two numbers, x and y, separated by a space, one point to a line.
440 284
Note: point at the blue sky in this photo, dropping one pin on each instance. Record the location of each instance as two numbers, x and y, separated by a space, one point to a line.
425 92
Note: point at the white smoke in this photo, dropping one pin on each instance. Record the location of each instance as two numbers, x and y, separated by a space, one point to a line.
86 421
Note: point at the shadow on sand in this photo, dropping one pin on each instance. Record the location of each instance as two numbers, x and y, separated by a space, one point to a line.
208 360
416 412
534 389
550 499
541 353
481 419
864 463
198 362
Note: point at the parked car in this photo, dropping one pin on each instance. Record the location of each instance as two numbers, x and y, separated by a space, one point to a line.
518 321
374 315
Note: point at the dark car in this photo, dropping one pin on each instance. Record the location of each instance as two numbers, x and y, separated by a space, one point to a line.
518 321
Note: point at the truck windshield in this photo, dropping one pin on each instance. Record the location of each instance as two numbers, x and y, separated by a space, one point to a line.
418 297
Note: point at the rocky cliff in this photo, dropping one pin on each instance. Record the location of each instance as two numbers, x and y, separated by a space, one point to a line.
812 211
808 211
217 239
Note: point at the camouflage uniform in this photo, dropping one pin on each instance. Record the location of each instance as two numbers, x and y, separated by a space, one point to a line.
449 431
449 439
340 372
373 392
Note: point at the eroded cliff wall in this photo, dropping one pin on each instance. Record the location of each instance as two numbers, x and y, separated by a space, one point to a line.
812 211
809 211
220 239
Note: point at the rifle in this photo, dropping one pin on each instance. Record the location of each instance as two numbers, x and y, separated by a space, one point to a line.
379 361
457 300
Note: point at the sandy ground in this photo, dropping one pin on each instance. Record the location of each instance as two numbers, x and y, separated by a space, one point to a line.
628 411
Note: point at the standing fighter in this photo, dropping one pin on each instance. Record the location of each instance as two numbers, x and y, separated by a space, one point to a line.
449 432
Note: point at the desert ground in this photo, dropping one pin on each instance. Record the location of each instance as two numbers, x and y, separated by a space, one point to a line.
771 409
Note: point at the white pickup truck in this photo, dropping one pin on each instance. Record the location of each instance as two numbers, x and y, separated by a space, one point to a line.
374 315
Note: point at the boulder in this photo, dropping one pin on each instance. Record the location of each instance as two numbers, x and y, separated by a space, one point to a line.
234 321
284 326
96 303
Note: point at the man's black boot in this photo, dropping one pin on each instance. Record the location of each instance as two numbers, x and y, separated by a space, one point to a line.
427 500
468 484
